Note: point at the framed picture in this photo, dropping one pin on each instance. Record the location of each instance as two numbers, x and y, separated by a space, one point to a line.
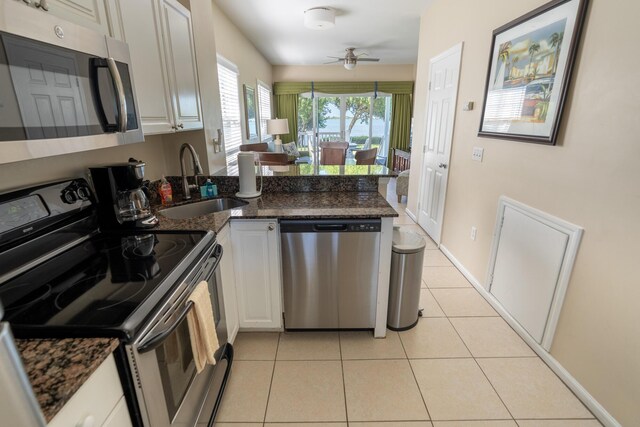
250 114
530 66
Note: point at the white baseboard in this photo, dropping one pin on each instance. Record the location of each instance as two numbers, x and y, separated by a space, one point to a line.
411 215
589 401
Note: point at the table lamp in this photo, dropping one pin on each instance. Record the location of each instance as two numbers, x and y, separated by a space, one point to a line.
277 127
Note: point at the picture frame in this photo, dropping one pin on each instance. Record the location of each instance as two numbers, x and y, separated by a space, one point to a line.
530 66
250 113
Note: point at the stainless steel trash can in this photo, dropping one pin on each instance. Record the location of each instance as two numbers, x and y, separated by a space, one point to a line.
406 275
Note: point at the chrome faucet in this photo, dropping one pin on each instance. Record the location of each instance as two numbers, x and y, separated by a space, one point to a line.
197 170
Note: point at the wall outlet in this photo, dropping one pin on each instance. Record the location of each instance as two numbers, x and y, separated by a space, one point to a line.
477 154
474 233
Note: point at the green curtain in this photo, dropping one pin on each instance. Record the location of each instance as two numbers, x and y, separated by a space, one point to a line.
287 108
400 124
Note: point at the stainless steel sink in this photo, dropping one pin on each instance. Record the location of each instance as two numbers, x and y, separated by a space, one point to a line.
202 208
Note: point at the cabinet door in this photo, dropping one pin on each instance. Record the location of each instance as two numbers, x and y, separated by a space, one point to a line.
228 276
141 29
119 417
256 253
84 405
181 61
88 13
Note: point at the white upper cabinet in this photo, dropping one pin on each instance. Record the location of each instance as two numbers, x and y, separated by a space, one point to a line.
160 40
181 60
141 29
88 13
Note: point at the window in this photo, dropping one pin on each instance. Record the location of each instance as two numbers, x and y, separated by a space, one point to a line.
264 109
362 120
230 105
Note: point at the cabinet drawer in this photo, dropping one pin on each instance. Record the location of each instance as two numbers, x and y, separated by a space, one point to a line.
97 398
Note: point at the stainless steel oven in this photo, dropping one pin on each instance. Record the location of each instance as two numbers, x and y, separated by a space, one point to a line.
63 88
168 389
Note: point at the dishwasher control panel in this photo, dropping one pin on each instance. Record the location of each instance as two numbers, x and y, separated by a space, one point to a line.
364 227
331 226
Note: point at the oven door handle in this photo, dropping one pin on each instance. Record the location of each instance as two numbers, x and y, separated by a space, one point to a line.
156 340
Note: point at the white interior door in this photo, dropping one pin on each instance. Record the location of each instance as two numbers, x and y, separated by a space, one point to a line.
444 71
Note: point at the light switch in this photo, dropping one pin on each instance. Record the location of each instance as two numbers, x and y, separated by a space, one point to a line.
467 106
477 154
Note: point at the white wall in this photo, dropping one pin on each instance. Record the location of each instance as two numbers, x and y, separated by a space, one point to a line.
232 44
337 73
591 179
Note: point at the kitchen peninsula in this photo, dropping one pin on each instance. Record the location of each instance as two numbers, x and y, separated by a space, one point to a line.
249 232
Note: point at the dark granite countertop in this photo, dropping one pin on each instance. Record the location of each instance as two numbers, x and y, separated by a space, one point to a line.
58 367
290 206
326 170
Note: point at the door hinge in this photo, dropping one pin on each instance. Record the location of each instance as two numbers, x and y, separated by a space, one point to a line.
424 148
490 280
429 85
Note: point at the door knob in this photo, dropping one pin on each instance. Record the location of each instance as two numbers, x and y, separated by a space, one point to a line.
442 165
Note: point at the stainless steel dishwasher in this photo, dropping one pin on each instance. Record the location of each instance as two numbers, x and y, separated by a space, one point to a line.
330 273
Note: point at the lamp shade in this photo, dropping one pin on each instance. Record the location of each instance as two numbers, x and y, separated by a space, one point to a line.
277 126
319 18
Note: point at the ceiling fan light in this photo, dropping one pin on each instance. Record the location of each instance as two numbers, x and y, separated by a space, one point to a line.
349 65
319 18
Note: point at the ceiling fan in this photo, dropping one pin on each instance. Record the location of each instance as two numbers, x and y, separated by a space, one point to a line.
350 59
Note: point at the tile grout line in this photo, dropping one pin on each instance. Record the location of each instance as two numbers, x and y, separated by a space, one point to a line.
481 370
424 402
344 383
273 373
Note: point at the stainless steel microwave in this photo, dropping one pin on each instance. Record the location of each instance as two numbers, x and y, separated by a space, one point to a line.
63 88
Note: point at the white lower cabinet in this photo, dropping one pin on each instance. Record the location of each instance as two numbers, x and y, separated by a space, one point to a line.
258 274
228 277
98 402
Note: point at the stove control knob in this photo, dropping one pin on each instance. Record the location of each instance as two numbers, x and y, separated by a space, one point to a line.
69 196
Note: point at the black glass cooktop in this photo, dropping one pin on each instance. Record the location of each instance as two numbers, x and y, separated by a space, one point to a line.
94 288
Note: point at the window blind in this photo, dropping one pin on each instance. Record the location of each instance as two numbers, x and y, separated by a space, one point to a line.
264 106
230 105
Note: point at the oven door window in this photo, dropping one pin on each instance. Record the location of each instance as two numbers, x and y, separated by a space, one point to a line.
48 92
177 368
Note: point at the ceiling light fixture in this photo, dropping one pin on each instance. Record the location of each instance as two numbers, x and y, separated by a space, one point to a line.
349 63
319 18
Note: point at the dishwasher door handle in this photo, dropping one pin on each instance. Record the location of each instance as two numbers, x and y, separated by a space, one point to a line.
330 227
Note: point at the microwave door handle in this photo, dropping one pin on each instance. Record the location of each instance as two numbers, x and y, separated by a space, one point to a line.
156 340
122 101
95 88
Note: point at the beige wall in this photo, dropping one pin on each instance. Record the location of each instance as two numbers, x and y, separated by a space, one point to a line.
232 44
591 179
29 172
337 73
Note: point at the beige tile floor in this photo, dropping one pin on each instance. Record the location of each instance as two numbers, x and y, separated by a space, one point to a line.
461 366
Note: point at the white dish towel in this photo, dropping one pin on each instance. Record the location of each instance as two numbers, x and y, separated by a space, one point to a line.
202 327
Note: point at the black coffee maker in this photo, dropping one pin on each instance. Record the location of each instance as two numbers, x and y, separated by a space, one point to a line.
122 201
